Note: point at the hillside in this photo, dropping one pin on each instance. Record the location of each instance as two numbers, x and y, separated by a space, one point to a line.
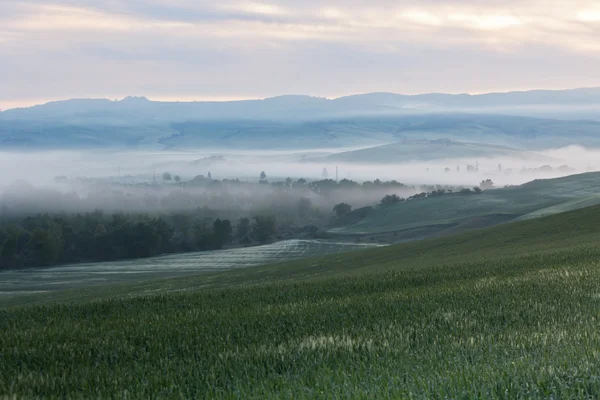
457 212
508 311
426 150
331 133
540 98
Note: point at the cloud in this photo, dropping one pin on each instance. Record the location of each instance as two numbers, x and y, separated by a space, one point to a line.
255 8
53 18
589 15
311 19
266 47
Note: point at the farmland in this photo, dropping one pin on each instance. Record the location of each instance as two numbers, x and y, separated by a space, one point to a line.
505 312
43 280
457 212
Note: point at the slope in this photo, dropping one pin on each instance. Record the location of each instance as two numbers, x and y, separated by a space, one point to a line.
569 97
507 312
449 211
425 150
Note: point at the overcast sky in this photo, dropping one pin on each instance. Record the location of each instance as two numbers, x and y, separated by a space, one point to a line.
227 49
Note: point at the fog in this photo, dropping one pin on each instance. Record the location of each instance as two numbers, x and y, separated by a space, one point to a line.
35 177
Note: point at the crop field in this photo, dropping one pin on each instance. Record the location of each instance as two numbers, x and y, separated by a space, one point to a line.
511 311
533 199
40 280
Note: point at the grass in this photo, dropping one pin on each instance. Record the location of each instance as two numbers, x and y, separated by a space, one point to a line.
506 312
536 198
16 283
426 150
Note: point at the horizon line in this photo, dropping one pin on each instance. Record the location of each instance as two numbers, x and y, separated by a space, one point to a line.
231 99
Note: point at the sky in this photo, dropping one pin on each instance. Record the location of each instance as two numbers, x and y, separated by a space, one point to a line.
227 49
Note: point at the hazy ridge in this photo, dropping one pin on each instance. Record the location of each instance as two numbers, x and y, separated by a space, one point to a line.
308 122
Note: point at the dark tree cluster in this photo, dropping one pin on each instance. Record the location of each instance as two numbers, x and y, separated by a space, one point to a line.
45 240
389 199
342 209
486 184
329 185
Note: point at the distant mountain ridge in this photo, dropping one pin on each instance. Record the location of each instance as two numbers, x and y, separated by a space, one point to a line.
534 119
301 106
581 96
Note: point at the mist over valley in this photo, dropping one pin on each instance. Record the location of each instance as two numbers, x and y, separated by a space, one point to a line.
299 199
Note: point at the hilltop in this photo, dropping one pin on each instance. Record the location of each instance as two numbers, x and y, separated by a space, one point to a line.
456 212
426 150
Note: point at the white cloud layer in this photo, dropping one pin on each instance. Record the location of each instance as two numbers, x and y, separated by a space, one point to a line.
205 49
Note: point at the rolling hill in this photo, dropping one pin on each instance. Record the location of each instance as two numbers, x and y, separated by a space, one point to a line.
456 212
532 102
426 150
232 134
301 107
304 122
509 311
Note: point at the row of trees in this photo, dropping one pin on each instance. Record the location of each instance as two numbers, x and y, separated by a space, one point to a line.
390 199
167 177
45 240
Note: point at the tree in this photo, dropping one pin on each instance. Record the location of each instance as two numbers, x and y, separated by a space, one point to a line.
342 209
177 179
9 249
263 178
243 228
347 184
163 232
304 206
45 247
209 176
167 176
263 228
288 182
389 199
141 239
222 231
487 184
477 189
101 241
325 173
438 192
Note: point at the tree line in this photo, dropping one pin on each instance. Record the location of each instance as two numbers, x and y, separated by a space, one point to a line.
342 209
46 240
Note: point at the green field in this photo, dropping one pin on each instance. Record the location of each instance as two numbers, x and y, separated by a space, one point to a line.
17 283
506 312
453 213
427 150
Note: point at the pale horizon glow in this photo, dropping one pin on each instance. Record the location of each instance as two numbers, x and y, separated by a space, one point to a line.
243 49
7 105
